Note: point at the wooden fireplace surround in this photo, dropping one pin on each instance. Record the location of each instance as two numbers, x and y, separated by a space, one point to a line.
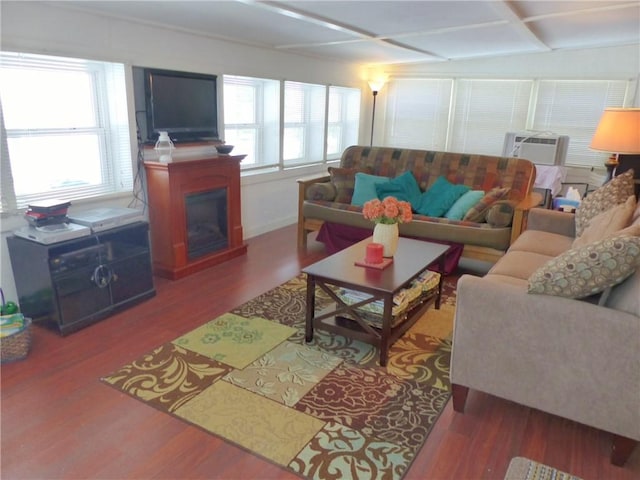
168 184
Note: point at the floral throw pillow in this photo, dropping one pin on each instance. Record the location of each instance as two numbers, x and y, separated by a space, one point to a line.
580 272
612 193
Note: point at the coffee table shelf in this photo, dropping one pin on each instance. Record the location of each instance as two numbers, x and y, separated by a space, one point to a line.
411 259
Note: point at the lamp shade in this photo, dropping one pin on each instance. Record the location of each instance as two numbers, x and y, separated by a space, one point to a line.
376 85
618 131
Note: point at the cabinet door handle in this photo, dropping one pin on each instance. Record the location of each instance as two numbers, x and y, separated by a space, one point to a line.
102 276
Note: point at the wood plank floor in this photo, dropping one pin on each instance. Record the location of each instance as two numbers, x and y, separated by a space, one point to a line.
59 421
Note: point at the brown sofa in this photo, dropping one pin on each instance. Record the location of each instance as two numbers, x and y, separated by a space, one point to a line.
575 358
482 240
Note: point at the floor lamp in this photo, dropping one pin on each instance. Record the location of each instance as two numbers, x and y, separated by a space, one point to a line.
618 132
376 86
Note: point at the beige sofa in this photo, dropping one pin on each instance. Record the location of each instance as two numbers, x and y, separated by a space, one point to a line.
482 239
576 358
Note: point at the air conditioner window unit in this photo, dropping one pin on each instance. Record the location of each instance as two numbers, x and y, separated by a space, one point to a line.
539 147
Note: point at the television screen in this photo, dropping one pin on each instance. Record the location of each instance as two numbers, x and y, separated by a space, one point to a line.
182 104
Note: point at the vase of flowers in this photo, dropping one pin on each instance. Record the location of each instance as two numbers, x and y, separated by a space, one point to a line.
387 214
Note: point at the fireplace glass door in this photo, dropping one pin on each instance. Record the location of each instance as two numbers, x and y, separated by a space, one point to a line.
207 229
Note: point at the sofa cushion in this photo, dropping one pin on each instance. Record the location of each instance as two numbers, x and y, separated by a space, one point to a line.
463 204
636 215
506 279
478 212
545 243
607 223
343 180
633 230
519 264
626 296
580 272
440 197
365 188
613 193
404 187
500 214
456 231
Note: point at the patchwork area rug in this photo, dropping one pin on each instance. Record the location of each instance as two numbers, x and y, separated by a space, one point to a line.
322 410
521 468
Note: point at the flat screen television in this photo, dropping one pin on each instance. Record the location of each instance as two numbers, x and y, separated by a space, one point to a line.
181 103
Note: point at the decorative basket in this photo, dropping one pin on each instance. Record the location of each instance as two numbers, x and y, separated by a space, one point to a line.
17 345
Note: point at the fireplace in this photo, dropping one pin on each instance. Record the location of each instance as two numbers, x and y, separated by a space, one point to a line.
206 222
194 213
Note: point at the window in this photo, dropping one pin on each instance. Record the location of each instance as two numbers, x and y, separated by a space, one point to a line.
304 123
473 115
485 110
419 113
574 108
343 120
66 125
252 119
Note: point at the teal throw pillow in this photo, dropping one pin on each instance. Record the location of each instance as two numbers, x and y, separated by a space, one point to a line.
440 197
365 188
404 187
463 204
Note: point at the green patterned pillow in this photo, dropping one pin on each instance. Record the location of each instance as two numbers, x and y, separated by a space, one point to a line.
580 272
478 212
321 191
343 180
500 214
612 193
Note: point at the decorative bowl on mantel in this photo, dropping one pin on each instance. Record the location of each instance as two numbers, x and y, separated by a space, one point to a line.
224 149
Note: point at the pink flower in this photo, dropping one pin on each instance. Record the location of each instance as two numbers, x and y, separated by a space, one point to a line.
389 211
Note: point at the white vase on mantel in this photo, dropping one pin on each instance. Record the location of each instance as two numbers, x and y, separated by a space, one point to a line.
387 236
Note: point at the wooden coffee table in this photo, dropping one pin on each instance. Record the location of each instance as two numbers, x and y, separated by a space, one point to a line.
339 270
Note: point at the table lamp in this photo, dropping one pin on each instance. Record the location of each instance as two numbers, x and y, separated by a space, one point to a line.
618 132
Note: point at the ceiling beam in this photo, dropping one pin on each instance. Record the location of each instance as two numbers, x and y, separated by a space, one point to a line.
505 9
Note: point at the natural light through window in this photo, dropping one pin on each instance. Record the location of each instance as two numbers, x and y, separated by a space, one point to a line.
66 127
252 119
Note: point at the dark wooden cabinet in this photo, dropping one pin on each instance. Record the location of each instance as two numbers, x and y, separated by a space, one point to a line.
71 284
195 213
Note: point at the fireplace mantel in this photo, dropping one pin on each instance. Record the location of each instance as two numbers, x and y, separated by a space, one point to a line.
168 186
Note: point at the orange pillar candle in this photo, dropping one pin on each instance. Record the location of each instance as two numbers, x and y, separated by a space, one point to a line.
374 253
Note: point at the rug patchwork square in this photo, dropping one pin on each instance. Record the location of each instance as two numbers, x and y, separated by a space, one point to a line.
342 452
322 410
252 421
286 373
168 377
234 340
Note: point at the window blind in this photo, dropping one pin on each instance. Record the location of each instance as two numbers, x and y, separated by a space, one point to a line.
343 120
485 110
252 119
65 119
574 108
418 113
304 123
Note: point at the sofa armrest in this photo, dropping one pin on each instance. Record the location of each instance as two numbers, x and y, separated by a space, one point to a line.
521 213
542 351
303 184
552 221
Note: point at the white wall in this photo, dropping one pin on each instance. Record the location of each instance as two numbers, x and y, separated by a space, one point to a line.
268 201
